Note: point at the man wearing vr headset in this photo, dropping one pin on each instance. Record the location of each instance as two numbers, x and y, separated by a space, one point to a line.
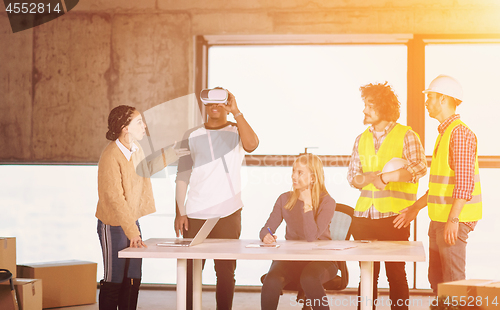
213 175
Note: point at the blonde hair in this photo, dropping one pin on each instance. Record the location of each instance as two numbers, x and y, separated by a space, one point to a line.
318 190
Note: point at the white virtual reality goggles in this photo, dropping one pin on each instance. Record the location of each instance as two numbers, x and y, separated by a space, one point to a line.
214 96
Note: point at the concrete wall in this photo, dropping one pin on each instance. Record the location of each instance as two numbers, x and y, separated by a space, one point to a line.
59 81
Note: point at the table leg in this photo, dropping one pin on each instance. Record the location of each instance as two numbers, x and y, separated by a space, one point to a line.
366 285
197 284
181 284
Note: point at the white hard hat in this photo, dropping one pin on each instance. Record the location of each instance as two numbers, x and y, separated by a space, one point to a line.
394 164
446 85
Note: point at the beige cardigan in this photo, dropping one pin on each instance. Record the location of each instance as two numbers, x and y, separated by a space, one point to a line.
125 193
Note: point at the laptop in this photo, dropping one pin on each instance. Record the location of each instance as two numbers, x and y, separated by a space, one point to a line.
199 238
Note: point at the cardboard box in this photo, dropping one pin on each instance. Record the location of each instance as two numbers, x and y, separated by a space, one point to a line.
65 283
477 294
28 293
8 254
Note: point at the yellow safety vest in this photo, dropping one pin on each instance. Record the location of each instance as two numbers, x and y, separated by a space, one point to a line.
442 183
396 195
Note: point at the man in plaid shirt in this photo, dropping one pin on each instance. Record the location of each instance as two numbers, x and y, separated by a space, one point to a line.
454 196
383 195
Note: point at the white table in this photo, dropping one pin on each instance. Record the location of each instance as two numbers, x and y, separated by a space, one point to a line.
365 253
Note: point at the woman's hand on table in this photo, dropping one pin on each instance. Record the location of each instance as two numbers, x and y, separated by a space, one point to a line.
136 242
269 239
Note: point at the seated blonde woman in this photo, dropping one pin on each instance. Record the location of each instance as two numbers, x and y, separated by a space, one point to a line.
307 210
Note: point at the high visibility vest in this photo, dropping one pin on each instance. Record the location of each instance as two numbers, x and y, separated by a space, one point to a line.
396 195
442 183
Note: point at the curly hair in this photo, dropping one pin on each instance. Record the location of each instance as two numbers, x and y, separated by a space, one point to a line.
385 101
118 118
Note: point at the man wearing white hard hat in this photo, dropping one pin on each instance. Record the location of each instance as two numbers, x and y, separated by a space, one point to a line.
386 162
454 196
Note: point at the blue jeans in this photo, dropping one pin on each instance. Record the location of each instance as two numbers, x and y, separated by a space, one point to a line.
113 239
446 262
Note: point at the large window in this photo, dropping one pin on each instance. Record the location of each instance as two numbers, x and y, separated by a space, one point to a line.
50 209
306 95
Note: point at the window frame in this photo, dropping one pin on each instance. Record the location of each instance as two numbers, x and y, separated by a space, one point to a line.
415 43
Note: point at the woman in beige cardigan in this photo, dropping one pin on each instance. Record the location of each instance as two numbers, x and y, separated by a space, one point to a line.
125 195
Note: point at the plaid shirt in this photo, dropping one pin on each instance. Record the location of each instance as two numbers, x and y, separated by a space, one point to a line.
413 152
462 159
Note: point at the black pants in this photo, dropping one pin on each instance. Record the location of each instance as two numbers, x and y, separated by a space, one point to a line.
226 228
310 275
384 230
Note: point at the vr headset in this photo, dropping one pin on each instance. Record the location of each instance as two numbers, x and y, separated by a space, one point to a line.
214 96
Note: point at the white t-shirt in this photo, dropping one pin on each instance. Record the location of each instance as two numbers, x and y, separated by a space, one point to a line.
213 171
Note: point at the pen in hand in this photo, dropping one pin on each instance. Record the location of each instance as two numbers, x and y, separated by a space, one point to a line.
269 230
